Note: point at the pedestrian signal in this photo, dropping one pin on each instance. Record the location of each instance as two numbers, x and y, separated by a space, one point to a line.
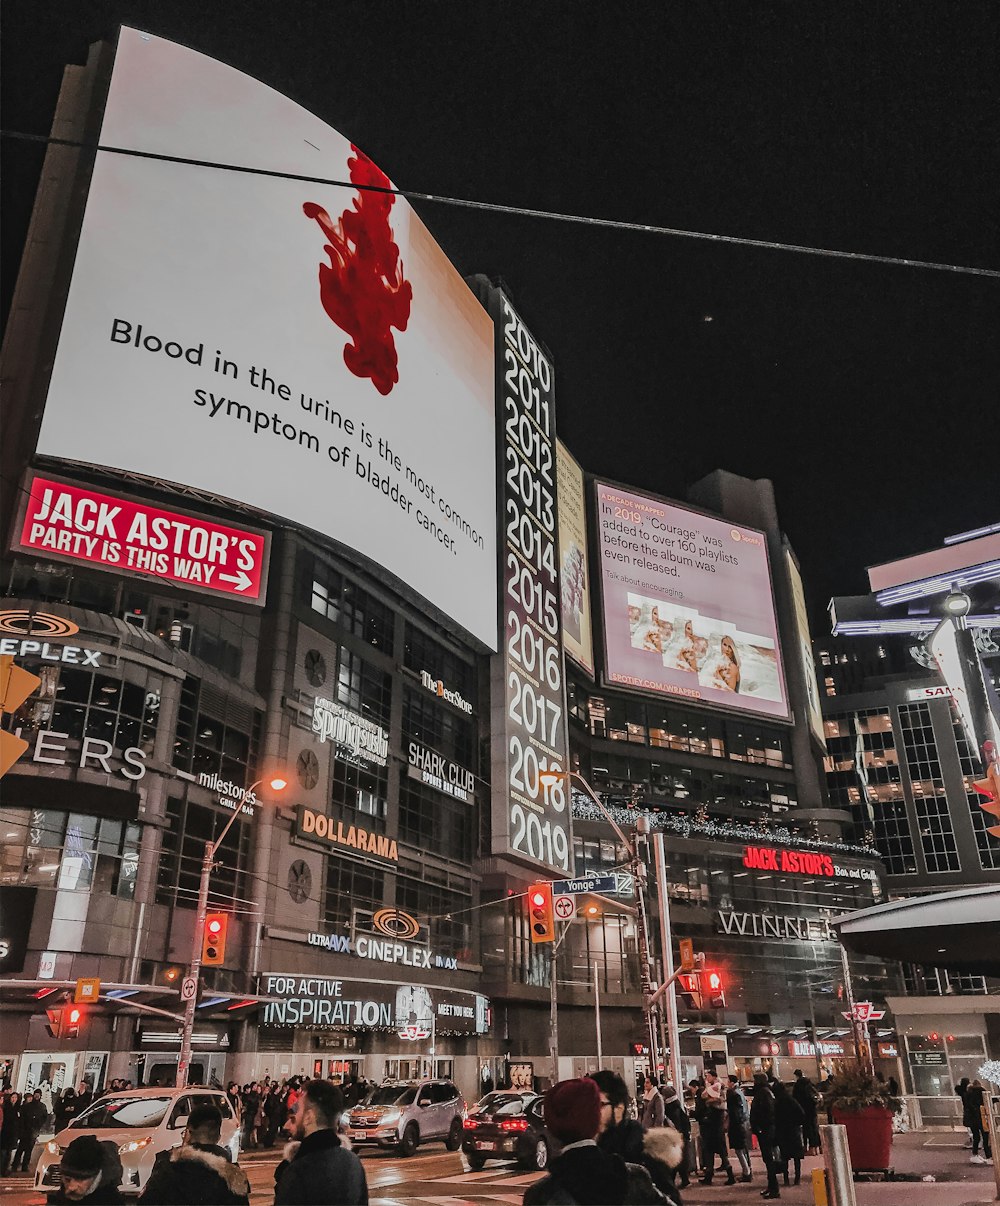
72 1020
716 992
213 947
542 923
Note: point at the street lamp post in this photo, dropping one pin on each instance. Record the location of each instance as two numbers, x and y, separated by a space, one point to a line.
637 868
207 863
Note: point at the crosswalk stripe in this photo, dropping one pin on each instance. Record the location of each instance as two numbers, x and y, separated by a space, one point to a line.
495 1174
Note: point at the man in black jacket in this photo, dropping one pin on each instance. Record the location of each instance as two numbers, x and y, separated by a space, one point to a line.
762 1125
32 1121
317 1168
198 1172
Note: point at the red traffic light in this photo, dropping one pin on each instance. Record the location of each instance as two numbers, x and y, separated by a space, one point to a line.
213 948
714 981
716 992
542 923
214 926
538 900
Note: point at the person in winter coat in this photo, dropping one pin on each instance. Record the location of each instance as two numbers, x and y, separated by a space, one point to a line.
788 1122
972 1117
651 1106
739 1126
804 1092
91 1172
317 1167
583 1173
676 1116
34 1115
199 1172
713 1130
8 1131
65 1108
622 1136
250 1103
762 1125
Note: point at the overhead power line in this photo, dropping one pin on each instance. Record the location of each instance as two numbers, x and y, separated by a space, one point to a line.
511 210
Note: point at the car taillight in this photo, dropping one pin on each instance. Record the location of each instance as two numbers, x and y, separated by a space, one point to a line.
514 1124
470 1124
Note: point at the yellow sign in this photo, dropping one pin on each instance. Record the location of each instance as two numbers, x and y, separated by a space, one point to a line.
15 687
87 990
687 954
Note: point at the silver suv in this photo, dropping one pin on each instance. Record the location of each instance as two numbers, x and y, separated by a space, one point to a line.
404 1114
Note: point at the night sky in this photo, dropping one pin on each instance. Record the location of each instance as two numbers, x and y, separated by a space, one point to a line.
867 393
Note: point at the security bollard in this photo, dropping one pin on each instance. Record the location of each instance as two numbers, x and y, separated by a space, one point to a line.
837 1158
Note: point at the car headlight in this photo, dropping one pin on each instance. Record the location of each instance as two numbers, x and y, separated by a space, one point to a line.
53 1148
389 1118
134 1145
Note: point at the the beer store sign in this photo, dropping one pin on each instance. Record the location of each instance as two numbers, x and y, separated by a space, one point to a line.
316 1002
440 773
438 688
354 736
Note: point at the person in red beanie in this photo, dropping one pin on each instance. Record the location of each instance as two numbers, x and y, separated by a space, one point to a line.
583 1175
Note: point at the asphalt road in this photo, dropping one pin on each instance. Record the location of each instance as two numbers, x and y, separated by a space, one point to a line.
432 1176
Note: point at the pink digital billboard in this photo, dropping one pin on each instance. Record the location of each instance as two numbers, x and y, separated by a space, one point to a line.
688 605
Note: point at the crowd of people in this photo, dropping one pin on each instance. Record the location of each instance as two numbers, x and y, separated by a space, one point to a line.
263 1107
23 1117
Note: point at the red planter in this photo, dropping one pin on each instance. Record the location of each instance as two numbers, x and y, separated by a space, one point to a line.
869 1136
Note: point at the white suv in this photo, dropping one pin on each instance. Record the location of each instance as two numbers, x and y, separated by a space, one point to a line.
403 1114
141 1123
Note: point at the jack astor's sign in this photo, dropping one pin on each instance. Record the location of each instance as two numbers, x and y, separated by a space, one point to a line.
798 862
318 827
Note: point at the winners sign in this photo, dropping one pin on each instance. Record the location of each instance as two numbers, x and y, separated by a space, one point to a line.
530 819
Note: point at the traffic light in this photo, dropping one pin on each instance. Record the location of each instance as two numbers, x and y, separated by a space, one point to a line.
72 1020
15 687
543 925
690 985
213 946
53 1023
990 788
716 992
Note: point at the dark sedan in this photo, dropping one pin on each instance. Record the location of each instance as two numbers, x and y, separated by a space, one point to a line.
507 1125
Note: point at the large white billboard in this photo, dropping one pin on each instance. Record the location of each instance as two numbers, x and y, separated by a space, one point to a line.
306 349
573 568
687 604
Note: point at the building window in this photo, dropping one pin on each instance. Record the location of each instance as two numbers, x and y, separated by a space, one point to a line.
930 802
215 733
435 823
352 607
987 846
423 654
438 726
349 884
358 788
70 851
189 827
363 688
444 910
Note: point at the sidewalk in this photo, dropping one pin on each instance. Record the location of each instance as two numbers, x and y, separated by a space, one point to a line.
938 1154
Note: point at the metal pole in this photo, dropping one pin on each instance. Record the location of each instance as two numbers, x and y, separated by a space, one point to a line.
187 1027
666 941
553 1016
837 1159
597 1016
993 1130
638 868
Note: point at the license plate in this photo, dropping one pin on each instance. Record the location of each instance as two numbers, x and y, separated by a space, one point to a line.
359 1135
482 1146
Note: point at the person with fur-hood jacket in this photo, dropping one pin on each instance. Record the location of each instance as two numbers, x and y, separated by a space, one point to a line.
623 1136
199 1172
583 1174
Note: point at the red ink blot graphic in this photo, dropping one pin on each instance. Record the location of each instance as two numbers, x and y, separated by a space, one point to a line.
362 288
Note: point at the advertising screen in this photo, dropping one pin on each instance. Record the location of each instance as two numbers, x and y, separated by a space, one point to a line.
687 602
807 665
530 816
306 349
574 571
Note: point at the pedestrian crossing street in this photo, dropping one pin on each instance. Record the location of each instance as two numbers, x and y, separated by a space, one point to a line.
485 1189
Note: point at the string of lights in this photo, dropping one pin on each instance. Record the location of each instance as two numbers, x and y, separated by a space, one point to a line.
519 211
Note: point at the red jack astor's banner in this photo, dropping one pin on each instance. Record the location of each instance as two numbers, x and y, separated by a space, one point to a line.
78 523
798 862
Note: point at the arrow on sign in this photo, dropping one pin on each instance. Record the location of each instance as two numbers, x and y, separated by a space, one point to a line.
189 986
241 579
564 907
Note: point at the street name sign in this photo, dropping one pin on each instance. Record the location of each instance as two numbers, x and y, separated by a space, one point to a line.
589 883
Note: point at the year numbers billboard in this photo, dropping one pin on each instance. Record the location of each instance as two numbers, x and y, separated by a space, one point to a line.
306 349
530 816
687 604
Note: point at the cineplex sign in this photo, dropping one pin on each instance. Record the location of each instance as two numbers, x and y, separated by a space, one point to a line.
79 524
316 1002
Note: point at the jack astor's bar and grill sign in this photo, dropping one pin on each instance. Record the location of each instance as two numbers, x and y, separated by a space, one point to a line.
317 1002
